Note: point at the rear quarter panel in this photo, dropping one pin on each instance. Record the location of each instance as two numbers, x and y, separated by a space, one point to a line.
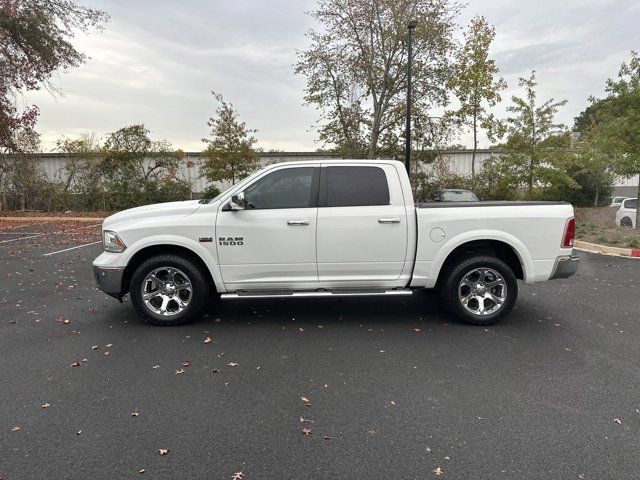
533 231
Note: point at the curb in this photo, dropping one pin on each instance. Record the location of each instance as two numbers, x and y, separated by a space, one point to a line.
53 219
607 250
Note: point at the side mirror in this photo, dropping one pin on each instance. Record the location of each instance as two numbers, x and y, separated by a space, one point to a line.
238 202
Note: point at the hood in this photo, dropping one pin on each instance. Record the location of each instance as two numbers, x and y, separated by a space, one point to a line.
146 212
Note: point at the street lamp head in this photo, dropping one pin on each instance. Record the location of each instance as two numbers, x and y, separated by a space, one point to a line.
412 24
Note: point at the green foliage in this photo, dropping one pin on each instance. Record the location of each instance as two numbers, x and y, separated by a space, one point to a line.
614 122
210 192
475 82
488 184
230 155
633 242
35 42
536 150
356 69
129 169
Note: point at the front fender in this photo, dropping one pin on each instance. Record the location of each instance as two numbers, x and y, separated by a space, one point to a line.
123 259
518 247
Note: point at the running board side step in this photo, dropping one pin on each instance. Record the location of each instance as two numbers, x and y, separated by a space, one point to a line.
314 293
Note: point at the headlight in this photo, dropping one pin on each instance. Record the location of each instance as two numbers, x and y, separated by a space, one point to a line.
112 242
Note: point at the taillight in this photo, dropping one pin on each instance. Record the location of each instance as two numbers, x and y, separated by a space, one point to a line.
569 234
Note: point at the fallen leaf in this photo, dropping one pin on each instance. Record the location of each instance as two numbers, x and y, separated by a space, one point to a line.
76 363
79 432
178 372
392 402
617 420
305 400
301 329
237 476
215 370
156 366
66 321
186 363
45 405
305 420
232 364
135 414
93 309
326 437
95 347
141 471
438 471
107 353
108 345
306 432
163 451
416 329
15 428
207 340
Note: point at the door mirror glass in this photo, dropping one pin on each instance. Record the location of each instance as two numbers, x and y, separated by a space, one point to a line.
238 202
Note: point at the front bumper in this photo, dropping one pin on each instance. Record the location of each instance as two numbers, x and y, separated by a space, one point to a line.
109 280
565 267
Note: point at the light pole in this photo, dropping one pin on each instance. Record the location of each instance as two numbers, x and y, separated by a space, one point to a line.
407 146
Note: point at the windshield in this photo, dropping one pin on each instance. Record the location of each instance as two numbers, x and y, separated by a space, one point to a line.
459 196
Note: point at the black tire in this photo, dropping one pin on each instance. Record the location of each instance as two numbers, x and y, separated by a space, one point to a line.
451 285
199 290
626 222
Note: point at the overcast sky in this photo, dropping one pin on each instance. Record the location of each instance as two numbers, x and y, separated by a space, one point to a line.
157 61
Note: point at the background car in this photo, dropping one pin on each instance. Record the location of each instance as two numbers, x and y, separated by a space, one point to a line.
616 201
626 214
452 195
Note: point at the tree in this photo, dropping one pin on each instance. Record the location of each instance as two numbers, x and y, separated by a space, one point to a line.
356 68
139 170
537 149
475 82
229 154
616 122
35 41
82 155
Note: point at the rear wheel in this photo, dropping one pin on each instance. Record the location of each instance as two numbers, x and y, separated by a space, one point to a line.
480 290
168 290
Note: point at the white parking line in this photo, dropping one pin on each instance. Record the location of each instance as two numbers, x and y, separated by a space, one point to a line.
72 248
17 239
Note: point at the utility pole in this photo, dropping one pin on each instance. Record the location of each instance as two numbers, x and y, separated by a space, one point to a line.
407 148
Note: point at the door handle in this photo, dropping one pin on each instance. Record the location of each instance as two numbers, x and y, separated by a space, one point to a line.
298 222
389 220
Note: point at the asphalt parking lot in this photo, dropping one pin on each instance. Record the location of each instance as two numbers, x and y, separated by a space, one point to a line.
389 388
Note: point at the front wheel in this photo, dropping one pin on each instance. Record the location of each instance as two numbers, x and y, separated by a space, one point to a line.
480 290
168 290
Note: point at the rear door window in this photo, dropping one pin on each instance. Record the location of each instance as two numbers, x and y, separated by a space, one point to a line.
355 186
633 203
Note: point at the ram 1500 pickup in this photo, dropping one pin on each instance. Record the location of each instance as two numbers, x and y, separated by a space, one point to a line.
331 228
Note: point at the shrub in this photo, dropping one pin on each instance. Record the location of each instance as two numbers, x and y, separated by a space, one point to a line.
210 192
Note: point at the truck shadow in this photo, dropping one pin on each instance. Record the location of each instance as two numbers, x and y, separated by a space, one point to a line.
423 307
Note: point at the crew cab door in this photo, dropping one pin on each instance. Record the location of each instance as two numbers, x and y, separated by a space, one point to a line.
362 226
271 244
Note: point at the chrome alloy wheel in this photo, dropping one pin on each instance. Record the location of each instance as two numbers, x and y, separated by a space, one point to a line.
166 291
482 291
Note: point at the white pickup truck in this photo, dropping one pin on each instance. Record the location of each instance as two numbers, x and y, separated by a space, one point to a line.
331 228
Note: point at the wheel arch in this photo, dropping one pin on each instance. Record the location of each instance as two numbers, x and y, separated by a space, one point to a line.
169 249
630 221
511 251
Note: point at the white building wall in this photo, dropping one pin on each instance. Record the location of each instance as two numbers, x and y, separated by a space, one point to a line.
458 160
